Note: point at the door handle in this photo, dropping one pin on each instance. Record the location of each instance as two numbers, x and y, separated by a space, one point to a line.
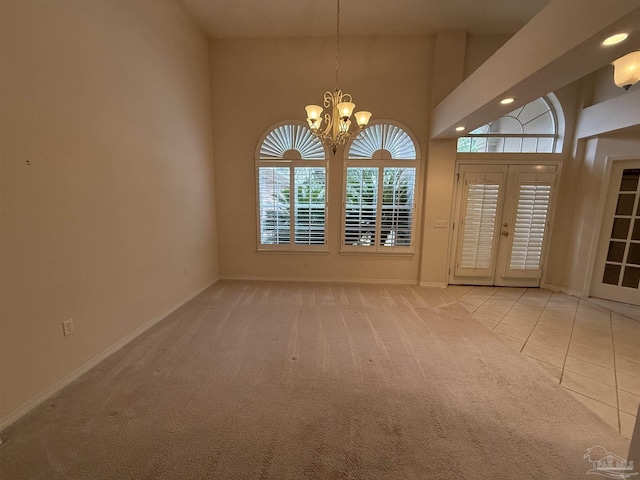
505 234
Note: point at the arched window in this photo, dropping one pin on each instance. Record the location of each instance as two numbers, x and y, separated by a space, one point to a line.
381 167
291 177
532 128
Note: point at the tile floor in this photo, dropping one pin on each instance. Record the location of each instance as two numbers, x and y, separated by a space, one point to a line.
591 347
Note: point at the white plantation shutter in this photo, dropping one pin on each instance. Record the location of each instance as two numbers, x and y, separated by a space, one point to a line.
361 207
479 229
275 218
291 184
529 224
291 137
378 137
310 188
397 206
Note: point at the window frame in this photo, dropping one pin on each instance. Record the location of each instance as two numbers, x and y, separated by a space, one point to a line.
557 120
291 162
380 164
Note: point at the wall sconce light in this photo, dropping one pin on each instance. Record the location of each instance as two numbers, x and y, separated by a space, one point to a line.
626 70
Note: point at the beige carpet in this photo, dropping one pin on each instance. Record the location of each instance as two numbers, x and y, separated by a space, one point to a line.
260 380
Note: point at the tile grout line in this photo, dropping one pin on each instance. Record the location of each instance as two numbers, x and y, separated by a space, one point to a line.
615 372
609 309
474 310
511 308
486 300
536 324
594 350
507 312
504 316
573 325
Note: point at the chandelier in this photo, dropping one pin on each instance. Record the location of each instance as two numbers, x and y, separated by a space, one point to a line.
336 130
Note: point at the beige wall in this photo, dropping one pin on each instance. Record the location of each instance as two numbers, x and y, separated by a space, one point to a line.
590 191
257 83
604 88
479 48
106 179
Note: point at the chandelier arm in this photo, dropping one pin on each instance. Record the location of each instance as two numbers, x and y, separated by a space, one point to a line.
328 99
328 124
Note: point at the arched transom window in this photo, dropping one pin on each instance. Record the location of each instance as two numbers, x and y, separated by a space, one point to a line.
291 170
379 191
532 128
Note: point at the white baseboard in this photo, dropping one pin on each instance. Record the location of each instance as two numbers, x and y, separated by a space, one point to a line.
433 284
67 379
319 280
558 288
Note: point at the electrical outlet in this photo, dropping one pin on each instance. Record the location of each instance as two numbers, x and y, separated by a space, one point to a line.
67 327
441 224
307 263
185 270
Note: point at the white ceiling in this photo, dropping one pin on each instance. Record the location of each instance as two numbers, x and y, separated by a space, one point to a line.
297 18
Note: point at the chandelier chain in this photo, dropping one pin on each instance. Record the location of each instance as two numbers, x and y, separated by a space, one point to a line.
335 130
337 42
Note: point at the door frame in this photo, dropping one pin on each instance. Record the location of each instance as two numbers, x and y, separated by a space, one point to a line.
500 159
609 162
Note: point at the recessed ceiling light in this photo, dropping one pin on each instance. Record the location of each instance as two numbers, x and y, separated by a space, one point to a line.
507 101
460 129
613 39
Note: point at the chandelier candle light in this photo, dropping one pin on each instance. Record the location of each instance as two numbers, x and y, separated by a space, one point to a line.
336 132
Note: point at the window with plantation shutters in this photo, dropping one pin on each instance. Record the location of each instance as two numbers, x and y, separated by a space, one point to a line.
291 169
380 173
529 226
479 223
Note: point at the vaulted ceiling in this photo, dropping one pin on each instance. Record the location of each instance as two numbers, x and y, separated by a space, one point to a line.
553 42
297 18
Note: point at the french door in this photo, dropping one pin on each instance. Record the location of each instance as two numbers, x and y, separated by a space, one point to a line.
616 273
502 223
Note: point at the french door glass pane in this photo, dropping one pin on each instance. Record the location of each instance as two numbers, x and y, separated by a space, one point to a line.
634 254
629 181
611 274
625 204
616 251
631 278
620 228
